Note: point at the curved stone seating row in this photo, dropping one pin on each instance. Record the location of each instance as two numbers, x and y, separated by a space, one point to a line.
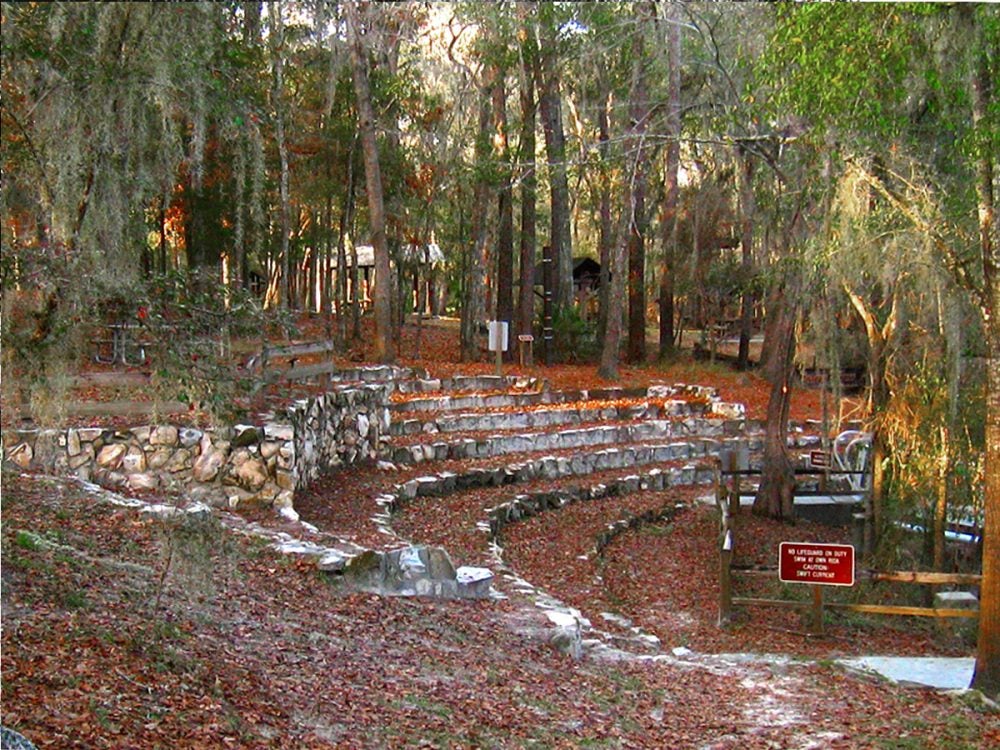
556 416
551 468
656 480
502 444
468 383
500 400
698 397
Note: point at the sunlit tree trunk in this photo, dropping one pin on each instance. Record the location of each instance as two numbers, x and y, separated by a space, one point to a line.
639 115
630 221
983 75
776 494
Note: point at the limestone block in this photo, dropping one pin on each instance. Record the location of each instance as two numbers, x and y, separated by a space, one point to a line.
85 456
268 493
437 563
21 454
73 443
955 600
279 432
239 457
251 474
427 486
164 435
134 461
179 461
158 458
89 434
285 480
206 467
269 449
142 434
110 456
141 481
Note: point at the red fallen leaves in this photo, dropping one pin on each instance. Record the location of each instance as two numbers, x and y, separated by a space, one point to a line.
276 655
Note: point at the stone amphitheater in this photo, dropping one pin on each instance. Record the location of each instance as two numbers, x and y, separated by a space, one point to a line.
405 484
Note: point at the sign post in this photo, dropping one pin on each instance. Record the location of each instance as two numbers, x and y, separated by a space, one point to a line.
817 564
498 340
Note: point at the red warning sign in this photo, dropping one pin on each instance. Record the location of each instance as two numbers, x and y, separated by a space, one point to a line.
810 562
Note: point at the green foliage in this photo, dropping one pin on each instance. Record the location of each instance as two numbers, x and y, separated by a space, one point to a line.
190 319
841 65
575 336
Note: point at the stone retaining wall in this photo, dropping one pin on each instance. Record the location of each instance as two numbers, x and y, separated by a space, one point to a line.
262 463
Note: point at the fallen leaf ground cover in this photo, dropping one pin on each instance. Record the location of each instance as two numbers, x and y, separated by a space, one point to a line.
105 645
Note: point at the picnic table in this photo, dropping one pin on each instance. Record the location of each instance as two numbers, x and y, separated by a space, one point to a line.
120 345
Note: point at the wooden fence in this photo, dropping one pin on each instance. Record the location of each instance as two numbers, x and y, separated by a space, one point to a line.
728 600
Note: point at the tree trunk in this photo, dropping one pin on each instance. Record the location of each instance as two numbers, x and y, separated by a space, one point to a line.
473 310
526 299
630 213
505 206
606 238
747 211
277 98
373 182
346 219
775 496
550 104
879 338
671 198
638 115
987 672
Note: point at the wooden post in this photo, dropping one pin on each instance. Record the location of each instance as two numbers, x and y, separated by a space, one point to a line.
734 494
719 492
817 610
499 361
725 580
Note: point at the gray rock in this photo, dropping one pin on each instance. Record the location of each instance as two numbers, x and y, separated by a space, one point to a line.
189 437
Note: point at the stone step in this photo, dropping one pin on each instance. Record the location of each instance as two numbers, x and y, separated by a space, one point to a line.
501 400
502 444
330 372
543 417
470 383
553 467
655 480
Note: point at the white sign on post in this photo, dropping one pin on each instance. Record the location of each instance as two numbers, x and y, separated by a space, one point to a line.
498 335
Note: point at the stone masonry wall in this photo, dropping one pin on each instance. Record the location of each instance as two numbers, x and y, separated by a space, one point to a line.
230 465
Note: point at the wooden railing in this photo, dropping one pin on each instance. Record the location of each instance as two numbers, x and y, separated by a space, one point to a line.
728 600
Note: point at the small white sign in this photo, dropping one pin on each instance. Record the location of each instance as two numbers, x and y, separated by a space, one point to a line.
498 335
